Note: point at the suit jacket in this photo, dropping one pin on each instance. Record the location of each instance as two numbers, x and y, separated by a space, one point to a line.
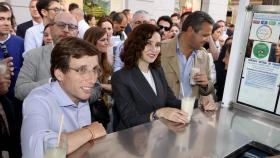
21 28
34 72
10 143
135 99
170 65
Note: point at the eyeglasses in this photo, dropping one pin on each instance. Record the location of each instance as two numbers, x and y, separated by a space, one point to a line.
57 10
62 25
164 27
84 70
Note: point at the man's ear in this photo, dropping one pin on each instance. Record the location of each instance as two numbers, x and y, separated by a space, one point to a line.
190 29
59 74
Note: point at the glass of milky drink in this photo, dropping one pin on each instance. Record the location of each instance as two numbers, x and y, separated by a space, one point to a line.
187 105
194 71
54 150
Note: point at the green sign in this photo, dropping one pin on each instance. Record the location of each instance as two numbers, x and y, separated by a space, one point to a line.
261 50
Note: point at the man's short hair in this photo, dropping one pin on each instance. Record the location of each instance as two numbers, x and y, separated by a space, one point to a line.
70 47
220 21
126 11
183 15
195 21
175 15
73 6
165 18
140 12
44 4
118 17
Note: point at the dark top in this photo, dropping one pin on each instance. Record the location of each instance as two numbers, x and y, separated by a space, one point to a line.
221 75
128 29
135 99
21 28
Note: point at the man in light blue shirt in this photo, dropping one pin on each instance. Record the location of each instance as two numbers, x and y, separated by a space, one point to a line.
184 53
74 69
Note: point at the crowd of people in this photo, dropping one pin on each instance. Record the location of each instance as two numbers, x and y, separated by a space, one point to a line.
71 64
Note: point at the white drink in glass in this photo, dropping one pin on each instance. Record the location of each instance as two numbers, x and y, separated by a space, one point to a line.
187 106
54 150
55 153
194 71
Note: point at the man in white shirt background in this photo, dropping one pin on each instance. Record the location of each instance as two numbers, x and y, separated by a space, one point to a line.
36 19
48 9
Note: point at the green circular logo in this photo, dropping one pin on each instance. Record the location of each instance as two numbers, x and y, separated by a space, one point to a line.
260 50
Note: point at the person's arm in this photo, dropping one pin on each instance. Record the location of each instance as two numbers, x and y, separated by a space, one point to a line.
81 136
203 80
36 128
26 80
213 49
118 64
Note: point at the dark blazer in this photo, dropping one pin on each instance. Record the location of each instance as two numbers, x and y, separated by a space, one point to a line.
135 99
21 28
10 143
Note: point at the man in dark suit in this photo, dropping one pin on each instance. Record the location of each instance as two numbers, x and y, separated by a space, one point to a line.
36 19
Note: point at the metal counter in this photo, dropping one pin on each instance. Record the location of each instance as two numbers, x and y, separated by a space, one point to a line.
210 134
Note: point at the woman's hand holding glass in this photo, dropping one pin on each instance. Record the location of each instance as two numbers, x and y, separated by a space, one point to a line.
172 114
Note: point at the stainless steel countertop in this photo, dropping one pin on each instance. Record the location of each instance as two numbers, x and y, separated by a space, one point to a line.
210 134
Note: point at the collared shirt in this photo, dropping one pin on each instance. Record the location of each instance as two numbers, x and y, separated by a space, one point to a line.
35 23
118 64
34 37
185 71
42 111
9 36
82 28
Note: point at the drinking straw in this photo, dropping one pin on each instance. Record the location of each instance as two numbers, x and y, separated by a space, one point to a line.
60 129
182 89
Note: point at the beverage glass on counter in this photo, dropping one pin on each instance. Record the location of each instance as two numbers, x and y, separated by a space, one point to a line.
187 105
54 150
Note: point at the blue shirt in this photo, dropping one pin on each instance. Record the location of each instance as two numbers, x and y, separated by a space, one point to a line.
34 37
185 71
42 110
15 49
